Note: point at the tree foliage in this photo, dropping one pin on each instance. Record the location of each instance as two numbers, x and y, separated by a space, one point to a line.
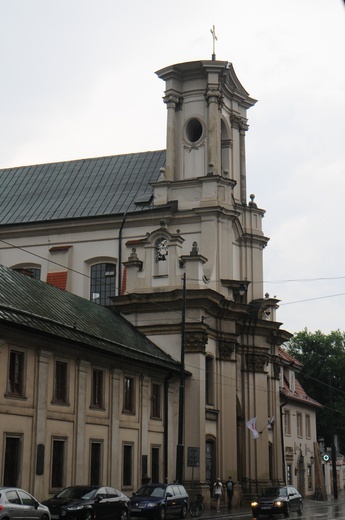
322 377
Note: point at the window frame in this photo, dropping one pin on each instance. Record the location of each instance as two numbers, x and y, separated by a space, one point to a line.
60 391
127 465
156 400
12 469
14 373
155 463
299 424
129 396
103 282
97 388
209 378
58 474
96 463
287 422
307 426
32 271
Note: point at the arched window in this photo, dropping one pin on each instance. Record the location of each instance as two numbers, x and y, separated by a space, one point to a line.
209 380
34 272
103 283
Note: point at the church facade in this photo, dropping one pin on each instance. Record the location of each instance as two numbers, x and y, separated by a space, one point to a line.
172 241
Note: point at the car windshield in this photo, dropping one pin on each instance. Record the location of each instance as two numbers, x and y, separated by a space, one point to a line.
76 492
274 492
151 491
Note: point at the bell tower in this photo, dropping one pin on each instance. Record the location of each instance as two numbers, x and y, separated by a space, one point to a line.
206 123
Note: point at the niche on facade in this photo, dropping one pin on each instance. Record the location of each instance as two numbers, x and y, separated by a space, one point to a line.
161 264
226 148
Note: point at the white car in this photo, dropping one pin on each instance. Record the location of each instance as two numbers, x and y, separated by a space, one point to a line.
17 504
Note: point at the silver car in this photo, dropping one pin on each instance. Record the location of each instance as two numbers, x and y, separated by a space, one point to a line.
17 504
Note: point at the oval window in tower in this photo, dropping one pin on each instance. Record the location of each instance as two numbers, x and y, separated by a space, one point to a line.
194 130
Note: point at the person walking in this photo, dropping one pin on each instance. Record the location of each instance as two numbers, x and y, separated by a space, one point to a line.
217 492
230 492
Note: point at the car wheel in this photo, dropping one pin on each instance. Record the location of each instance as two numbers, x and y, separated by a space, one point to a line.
183 512
162 513
287 511
124 514
44 517
88 515
300 508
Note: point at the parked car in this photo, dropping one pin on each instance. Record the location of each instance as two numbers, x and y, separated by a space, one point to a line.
88 503
278 500
159 500
16 504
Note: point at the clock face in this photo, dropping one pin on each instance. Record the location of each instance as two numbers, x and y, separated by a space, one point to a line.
162 250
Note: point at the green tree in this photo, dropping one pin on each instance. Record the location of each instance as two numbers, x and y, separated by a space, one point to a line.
322 377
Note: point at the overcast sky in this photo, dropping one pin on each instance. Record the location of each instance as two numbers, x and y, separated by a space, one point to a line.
78 80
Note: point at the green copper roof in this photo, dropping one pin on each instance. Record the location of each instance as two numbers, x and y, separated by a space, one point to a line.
41 308
76 189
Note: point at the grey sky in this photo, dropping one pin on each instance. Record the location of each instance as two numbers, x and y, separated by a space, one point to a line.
77 80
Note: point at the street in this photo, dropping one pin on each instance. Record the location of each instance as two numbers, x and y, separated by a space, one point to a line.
330 510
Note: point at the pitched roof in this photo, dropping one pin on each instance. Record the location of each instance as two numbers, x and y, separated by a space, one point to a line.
38 307
291 360
299 394
82 188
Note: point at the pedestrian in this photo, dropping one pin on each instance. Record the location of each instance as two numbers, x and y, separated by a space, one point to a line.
217 492
230 492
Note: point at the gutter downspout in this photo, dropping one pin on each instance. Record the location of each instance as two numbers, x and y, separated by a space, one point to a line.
282 438
166 422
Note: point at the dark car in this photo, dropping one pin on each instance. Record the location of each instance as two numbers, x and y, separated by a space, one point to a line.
89 502
15 504
278 500
159 500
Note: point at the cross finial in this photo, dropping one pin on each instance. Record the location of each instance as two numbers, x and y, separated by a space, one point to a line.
213 32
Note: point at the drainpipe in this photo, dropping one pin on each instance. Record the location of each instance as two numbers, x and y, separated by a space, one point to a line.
119 282
282 438
166 423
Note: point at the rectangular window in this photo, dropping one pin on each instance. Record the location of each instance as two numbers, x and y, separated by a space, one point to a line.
287 424
103 283
60 383
129 396
307 426
97 388
58 463
209 380
156 403
16 374
292 380
12 463
127 475
299 425
95 463
155 464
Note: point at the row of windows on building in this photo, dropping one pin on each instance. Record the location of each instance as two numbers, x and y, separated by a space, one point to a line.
303 428
16 386
13 460
290 472
103 275
102 281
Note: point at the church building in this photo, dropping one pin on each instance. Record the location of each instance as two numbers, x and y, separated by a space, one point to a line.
173 241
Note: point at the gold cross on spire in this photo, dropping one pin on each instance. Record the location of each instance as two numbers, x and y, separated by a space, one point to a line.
214 37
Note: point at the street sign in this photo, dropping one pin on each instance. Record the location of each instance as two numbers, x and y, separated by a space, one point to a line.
193 457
